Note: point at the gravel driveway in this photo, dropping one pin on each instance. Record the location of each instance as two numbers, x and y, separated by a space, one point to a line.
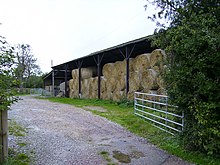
62 134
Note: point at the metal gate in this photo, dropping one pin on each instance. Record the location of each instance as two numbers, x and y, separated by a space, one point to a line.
156 109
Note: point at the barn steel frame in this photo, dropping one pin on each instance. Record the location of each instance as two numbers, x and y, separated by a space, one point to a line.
131 49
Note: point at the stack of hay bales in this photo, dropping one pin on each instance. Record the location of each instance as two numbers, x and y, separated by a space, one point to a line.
115 78
87 75
145 76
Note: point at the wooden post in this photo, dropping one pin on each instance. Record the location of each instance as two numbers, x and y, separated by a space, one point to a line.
3 135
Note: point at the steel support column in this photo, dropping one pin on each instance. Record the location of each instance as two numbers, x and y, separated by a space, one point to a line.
79 65
53 90
98 63
127 71
66 94
127 56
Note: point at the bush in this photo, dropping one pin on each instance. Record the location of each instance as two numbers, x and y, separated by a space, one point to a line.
192 43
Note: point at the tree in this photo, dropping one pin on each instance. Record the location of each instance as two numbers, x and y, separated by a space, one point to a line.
6 93
26 64
192 42
34 81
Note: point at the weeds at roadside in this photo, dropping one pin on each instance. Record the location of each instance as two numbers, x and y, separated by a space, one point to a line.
17 155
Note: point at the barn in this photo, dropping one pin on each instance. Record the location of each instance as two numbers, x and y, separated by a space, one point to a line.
113 73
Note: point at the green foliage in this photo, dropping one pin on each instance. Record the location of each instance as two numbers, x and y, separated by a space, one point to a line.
15 129
6 72
34 81
192 43
27 72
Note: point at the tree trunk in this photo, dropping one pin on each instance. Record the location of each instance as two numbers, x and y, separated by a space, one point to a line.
3 135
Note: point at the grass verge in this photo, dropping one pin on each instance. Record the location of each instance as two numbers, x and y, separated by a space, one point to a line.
122 113
17 155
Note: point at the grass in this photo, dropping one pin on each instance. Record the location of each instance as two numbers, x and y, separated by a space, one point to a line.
122 113
105 155
17 156
15 129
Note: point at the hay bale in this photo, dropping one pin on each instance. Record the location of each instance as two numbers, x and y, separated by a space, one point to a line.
107 70
141 62
157 58
162 91
90 87
120 83
118 95
123 66
135 79
116 69
149 80
106 95
74 73
103 84
85 73
130 95
111 84
73 94
160 82
85 88
71 84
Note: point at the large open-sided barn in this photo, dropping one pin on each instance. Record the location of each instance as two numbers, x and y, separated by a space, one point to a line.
113 73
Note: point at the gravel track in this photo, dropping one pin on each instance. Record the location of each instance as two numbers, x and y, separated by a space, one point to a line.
62 134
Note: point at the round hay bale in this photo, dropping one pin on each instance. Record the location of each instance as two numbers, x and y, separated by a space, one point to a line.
75 84
149 79
74 73
118 68
160 82
118 95
157 58
106 95
135 79
162 91
85 73
123 66
88 72
94 95
107 70
120 83
71 84
103 83
93 83
85 88
111 84
73 94
141 62
130 95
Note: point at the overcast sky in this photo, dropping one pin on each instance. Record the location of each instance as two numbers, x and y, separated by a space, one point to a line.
63 30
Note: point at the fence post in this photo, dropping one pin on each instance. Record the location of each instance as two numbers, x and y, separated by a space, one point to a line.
3 135
166 108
